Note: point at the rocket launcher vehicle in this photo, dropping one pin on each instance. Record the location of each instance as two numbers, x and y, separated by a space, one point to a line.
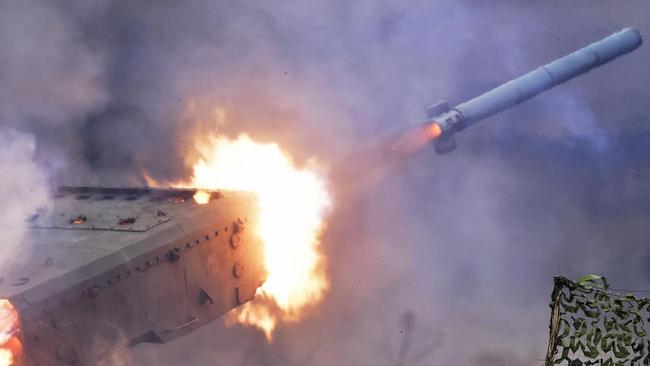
444 121
110 267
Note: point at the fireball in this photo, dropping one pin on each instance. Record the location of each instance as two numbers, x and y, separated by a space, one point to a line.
293 202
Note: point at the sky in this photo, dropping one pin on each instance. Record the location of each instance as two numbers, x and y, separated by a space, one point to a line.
453 256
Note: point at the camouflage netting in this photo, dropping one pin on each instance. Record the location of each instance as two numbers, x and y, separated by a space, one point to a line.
590 325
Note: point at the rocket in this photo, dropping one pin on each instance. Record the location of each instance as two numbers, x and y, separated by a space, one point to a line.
443 121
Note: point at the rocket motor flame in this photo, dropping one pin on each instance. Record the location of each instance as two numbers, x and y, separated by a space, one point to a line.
10 346
292 204
415 138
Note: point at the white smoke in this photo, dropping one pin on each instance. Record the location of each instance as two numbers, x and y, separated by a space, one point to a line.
23 189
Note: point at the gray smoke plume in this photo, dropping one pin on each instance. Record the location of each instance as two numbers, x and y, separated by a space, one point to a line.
48 78
445 260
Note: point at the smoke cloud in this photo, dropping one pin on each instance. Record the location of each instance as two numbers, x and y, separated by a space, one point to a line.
444 260
48 75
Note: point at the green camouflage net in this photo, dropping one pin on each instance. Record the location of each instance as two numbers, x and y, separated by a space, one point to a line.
591 325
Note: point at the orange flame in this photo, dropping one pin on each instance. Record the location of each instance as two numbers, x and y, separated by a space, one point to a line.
201 197
10 346
292 203
413 139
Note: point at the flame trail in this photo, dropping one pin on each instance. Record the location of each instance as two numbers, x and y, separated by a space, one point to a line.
292 203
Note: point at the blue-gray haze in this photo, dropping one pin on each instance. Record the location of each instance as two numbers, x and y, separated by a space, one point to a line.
449 259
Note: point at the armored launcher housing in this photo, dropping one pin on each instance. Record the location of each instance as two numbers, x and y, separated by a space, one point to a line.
116 266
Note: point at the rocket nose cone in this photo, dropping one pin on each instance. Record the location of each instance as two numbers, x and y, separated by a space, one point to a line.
634 35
